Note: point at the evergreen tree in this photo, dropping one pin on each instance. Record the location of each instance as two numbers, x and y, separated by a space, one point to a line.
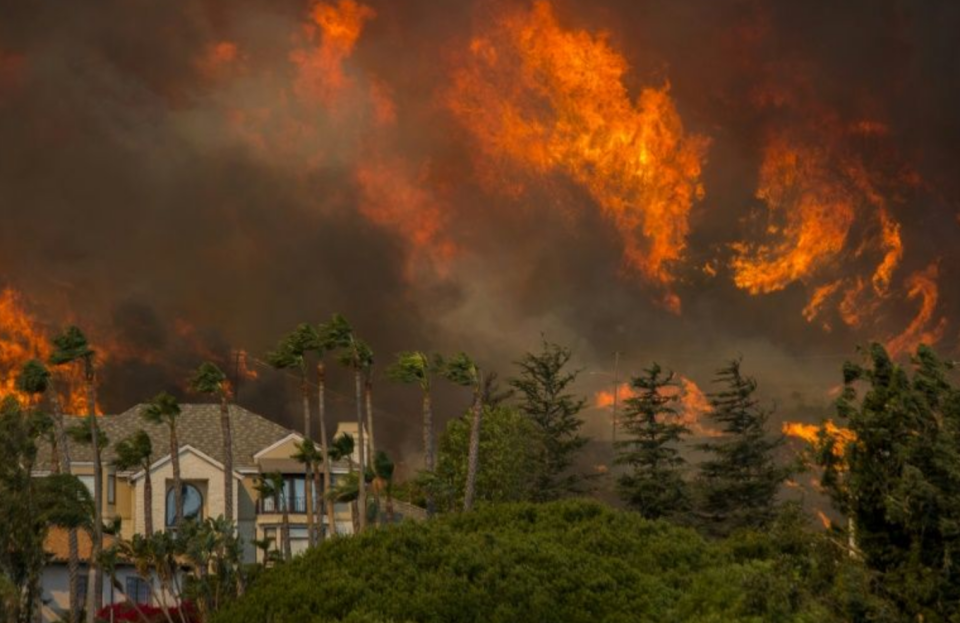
899 481
543 383
654 485
737 487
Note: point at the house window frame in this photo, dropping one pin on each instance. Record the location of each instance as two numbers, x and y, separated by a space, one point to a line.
112 488
169 510
140 588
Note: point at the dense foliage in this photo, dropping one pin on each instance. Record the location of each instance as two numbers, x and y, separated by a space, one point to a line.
738 484
571 561
507 459
899 478
653 483
543 384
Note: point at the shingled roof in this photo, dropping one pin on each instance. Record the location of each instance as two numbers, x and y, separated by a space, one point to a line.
197 426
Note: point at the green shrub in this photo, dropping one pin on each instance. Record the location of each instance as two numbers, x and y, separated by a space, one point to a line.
571 562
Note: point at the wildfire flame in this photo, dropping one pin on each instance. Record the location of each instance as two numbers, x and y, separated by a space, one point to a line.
923 329
691 407
23 338
551 100
321 75
811 433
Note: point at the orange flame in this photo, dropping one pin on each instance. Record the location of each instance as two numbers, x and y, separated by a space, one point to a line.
392 197
692 404
923 329
811 434
23 338
321 76
816 211
554 101
216 57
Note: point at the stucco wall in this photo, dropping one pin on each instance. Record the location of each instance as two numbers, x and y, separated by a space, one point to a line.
194 469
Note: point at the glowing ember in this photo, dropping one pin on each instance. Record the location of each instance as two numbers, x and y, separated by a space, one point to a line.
551 100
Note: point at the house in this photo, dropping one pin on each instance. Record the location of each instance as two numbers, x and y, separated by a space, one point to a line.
260 446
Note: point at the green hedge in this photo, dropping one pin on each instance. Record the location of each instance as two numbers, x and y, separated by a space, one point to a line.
572 562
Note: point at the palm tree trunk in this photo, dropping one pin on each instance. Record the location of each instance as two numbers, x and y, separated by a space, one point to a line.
73 541
227 436
368 399
390 514
361 454
147 501
327 474
474 456
177 484
428 448
95 586
308 465
285 530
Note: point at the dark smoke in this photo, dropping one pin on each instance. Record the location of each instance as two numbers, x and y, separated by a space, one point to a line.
128 209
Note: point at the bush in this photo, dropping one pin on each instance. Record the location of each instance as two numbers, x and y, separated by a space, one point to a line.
572 561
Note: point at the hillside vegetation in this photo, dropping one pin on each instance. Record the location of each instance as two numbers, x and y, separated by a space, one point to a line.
572 561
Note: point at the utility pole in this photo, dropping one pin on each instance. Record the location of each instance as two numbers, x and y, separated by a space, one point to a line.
616 395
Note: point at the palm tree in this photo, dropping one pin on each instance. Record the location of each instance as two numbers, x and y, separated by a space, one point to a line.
463 371
70 347
342 449
383 469
272 486
35 380
356 355
164 409
292 352
136 453
417 367
210 380
325 343
311 458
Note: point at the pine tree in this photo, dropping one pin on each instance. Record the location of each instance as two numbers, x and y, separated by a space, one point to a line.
654 485
899 480
737 487
543 383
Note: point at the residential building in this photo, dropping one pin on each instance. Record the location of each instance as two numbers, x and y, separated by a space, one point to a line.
260 446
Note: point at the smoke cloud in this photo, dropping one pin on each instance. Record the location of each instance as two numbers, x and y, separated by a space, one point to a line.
189 180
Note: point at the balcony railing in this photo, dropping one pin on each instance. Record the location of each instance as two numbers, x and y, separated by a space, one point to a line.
275 505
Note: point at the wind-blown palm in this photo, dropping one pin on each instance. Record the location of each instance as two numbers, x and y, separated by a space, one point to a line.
414 367
164 409
211 380
136 453
463 371
272 486
71 347
291 353
383 469
356 355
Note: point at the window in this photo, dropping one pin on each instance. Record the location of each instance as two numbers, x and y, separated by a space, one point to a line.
137 590
298 540
88 482
112 489
192 504
82 581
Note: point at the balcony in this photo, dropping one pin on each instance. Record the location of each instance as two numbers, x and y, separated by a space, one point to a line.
274 506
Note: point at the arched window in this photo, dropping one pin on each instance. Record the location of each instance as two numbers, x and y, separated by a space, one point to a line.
192 504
